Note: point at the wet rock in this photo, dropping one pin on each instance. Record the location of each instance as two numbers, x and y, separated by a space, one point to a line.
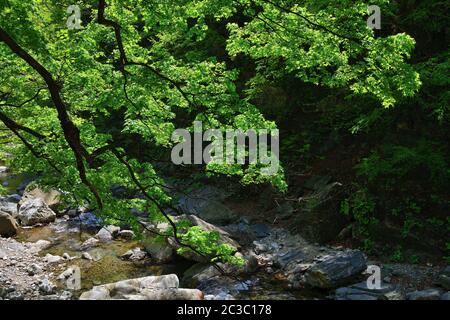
88 221
46 287
39 245
67 256
16 295
159 252
51 197
126 235
198 273
147 288
446 296
428 294
444 278
8 225
72 213
34 269
89 243
3 169
286 257
8 206
49 258
336 269
360 291
167 294
14 198
213 284
70 278
247 232
215 212
107 233
65 295
135 254
86 256
251 262
35 211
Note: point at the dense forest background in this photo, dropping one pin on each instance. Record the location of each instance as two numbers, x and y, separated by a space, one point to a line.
368 109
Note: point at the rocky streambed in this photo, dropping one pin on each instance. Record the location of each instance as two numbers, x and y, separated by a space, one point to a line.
46 253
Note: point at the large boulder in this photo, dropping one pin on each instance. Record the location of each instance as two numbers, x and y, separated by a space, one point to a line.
148 288
336 269
8 225
8 206
51 197
35 211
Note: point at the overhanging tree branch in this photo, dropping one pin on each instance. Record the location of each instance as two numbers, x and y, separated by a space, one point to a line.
312 23
71 132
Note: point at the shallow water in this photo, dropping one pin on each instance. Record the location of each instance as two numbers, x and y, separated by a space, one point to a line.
107 266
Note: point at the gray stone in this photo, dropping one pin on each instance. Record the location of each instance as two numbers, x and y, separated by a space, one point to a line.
428 294
89 243
46 287
39 245
72 213
88 221
52 197
147 288
34 269
444 278
336 269
107 233
360 291
86 256
35 211
446 296
8 225
126 235
135 254
49 258
8 206
66 256
198 273
159 252
13 198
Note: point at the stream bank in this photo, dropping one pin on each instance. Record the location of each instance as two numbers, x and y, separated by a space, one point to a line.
36 262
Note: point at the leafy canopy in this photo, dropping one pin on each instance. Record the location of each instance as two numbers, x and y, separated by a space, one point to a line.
147 62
